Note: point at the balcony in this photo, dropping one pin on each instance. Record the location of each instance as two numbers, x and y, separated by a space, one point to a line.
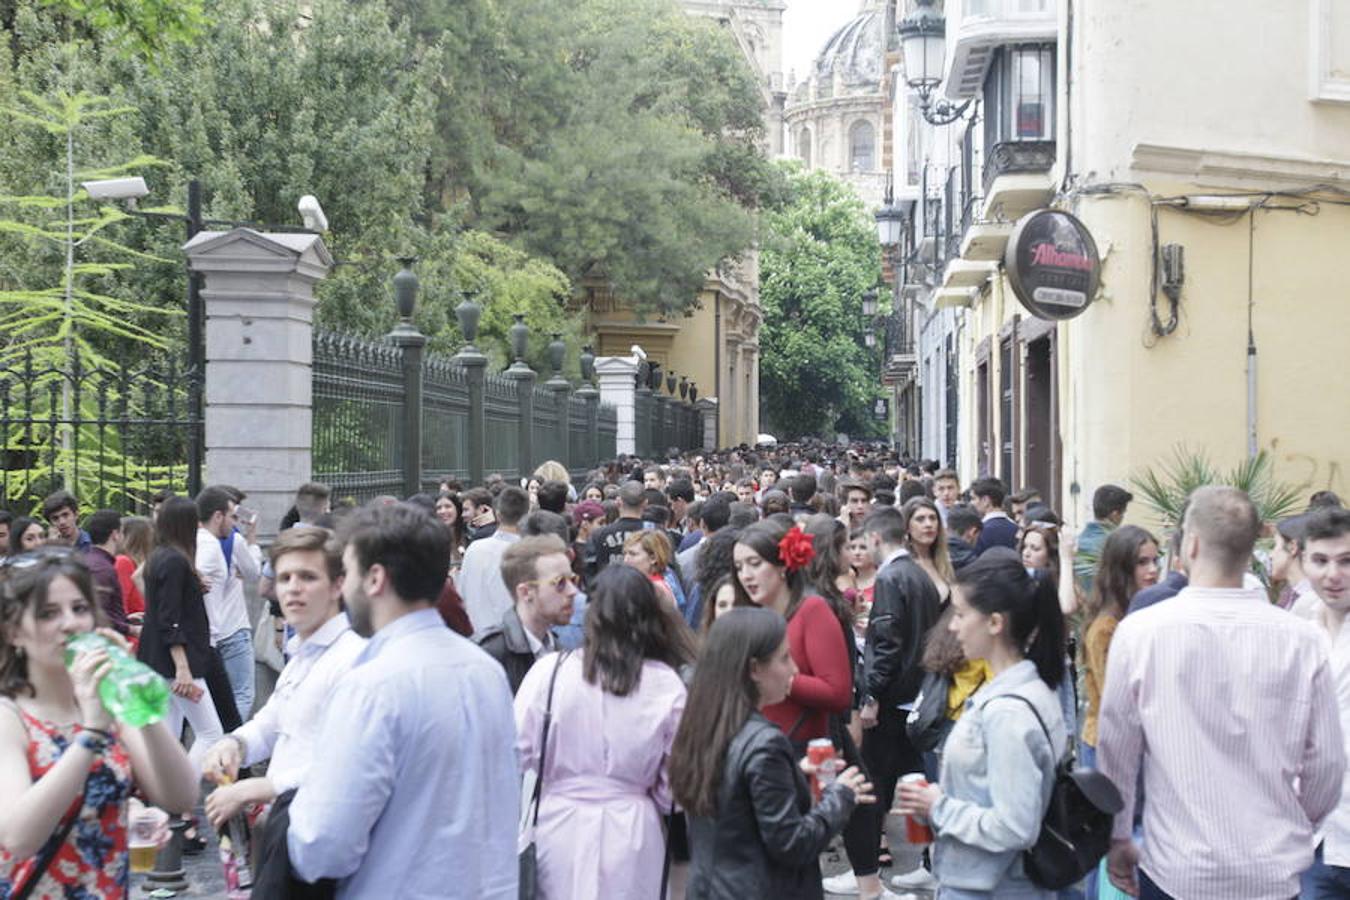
976 28
1017 179
899 360
1017 158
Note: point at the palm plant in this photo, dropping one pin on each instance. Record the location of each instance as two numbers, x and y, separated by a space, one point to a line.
1166 486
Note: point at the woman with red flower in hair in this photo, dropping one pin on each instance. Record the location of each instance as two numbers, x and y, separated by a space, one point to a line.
771 559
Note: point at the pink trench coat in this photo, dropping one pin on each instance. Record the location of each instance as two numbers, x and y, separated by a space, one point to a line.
605 780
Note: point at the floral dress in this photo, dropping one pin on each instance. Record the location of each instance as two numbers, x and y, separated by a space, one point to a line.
92 861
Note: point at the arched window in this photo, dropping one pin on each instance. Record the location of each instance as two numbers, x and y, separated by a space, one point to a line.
862 147
804 146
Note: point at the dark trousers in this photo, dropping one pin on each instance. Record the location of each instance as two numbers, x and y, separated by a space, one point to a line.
887 754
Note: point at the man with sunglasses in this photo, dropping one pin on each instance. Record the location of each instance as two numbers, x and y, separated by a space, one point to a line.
538 574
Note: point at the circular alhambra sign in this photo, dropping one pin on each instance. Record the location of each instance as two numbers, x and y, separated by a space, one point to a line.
1053 265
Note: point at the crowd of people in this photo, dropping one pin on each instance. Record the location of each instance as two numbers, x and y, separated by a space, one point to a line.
620 687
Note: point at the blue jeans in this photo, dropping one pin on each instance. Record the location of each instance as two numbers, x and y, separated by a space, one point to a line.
236 652
1324 882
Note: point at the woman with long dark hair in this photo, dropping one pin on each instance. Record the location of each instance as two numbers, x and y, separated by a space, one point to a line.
753 831
1128 564
998 763
26 534
176 636
615 711
771 560
450 510
63 759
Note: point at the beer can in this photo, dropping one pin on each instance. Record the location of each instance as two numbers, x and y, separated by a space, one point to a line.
917 830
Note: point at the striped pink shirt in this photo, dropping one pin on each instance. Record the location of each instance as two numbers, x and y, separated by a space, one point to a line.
1229 705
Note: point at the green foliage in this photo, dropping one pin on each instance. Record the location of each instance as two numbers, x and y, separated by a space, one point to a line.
1165 486
140 27
820 255
614 137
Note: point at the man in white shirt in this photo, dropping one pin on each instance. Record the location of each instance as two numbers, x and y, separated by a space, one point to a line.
1227 704
1326 563
486 598
226 609
308 566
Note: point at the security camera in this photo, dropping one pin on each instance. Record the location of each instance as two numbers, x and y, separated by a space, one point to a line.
312 213
637 351
128 189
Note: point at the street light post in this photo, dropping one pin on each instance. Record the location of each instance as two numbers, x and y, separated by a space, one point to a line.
196 313
923 43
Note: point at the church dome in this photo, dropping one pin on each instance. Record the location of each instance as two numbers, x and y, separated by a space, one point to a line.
855 51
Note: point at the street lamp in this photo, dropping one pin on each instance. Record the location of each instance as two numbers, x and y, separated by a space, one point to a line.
869 303
923 43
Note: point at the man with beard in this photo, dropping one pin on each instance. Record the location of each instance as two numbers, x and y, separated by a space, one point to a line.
419 775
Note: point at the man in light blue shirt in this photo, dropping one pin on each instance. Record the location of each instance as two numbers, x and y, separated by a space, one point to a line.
416 794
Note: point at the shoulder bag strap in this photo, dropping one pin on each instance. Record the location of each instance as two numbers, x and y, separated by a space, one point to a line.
1035 712
543 740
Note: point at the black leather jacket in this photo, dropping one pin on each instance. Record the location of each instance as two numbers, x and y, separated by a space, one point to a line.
766 839
905 605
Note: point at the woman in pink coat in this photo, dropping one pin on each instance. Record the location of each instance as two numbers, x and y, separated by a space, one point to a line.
616 708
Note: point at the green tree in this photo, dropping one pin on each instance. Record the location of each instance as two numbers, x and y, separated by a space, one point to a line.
618 138
820 255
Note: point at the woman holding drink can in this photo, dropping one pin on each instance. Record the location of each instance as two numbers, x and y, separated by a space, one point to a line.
66 769
753 830
998 767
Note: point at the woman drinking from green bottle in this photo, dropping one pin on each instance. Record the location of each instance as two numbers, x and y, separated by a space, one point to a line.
66 768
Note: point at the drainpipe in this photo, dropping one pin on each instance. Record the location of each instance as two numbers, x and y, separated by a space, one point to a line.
1251 340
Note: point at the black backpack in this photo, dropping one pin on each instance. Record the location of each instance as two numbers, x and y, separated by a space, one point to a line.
1076 830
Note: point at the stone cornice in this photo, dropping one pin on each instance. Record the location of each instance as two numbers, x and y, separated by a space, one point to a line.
1236 168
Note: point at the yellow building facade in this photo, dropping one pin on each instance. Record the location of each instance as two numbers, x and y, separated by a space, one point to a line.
715 345
1209 158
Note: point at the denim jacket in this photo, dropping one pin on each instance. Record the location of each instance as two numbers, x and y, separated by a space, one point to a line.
997 774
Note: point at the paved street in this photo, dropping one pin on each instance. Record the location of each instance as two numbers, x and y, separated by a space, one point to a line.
206 880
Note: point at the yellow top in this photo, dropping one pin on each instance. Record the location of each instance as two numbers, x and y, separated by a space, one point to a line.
966 681
1095 645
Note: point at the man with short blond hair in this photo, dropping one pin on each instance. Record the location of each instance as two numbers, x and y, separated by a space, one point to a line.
538 573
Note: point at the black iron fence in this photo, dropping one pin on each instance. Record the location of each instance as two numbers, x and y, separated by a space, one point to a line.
360 425
114 438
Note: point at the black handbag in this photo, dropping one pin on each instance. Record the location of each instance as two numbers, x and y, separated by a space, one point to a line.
529 857
927 724
1076 829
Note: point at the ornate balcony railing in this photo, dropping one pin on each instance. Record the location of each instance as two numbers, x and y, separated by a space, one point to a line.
1017 157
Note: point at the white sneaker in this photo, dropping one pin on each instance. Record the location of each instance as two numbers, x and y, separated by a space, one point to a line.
843 883
919 879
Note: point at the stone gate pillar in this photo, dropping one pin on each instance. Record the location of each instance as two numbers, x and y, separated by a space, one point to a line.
259 299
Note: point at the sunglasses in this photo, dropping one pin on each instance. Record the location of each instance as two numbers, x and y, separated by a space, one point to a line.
557 581
36 557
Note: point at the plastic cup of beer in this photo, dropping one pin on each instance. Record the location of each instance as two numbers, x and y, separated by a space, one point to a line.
144 827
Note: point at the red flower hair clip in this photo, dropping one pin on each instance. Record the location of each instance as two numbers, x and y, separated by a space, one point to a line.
796 549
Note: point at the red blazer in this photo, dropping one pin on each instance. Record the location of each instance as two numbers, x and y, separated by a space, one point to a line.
824 682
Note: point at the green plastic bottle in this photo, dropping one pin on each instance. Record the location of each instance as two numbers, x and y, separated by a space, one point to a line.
132 692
